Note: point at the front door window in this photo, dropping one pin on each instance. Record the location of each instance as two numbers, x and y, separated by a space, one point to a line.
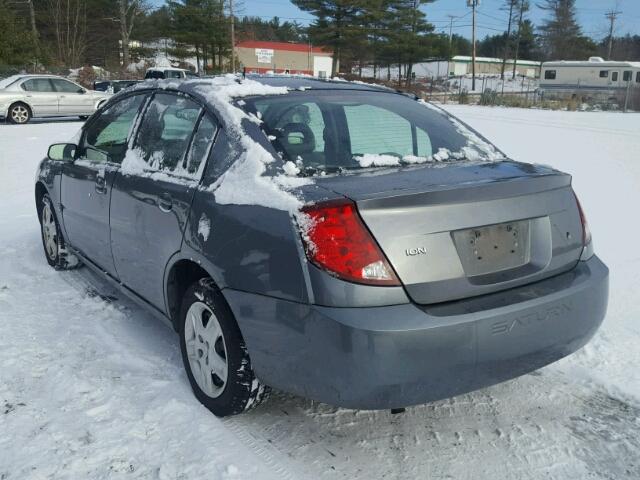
109 132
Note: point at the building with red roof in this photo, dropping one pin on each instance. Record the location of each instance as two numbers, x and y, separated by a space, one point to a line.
282 57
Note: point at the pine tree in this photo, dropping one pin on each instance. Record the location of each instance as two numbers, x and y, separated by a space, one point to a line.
17 45
561 36
410 35
338 25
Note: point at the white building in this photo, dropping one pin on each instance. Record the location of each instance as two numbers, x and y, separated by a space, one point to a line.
458 66
463 65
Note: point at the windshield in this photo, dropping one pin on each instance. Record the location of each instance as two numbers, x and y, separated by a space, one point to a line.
329 130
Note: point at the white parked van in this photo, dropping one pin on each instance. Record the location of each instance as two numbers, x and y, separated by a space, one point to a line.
169 72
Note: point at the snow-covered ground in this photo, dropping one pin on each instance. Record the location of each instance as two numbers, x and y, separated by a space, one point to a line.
92 387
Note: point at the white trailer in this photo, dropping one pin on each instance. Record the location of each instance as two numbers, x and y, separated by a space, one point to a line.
594 77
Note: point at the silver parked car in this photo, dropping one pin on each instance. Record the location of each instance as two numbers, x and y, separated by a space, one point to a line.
23 97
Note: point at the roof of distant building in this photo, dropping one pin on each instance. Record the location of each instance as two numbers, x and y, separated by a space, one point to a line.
467 59
290 47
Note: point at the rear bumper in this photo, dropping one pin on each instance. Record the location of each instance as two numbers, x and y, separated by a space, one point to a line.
401 355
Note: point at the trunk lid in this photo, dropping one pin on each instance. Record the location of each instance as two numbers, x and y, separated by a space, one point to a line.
462 230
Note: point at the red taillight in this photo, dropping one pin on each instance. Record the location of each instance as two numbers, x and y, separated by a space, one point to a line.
336 240
586 232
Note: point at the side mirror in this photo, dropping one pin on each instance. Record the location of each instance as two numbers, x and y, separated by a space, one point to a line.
62 152
82 90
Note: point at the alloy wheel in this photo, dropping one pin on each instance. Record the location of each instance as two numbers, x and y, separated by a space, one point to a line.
20 114
206 349
49 232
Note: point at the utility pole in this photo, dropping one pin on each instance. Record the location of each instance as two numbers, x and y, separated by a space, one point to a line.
451 19
233 38
612 15
523 4
473 4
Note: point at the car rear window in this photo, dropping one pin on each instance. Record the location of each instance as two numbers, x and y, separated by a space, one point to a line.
332 130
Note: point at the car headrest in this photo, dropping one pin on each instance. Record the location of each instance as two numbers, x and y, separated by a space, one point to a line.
297 139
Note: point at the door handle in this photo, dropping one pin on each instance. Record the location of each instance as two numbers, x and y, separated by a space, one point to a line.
165 203
101 185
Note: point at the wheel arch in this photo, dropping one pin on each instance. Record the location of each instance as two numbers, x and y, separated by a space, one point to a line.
20 102
180 274
40 191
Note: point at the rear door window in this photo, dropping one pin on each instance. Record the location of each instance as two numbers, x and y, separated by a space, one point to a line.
165 133
201 146
38 85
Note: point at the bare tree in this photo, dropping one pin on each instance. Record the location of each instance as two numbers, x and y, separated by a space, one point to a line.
69 18
128 11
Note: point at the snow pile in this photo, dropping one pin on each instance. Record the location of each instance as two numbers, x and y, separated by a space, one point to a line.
291 169
375 160
204 227
442 155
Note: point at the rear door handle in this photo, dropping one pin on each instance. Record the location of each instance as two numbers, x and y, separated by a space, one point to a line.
101 184
165 203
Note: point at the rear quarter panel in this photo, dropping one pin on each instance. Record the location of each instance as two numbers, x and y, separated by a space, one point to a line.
245 247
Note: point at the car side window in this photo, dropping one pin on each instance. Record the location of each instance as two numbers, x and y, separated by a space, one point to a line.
65 86
172 74
201 146
38 85
109 132
165 132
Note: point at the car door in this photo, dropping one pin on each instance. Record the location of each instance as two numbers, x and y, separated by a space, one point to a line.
72 98
41 96
152 193
86 183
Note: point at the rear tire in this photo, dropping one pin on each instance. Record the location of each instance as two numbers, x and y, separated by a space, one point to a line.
214 353
55 250
19 113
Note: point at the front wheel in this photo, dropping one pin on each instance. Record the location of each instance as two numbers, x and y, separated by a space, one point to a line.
54 247
214 353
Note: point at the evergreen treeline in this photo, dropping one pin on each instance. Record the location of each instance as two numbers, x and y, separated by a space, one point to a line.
374 33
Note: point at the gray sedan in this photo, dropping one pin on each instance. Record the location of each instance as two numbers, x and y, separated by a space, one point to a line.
338 241
23 97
